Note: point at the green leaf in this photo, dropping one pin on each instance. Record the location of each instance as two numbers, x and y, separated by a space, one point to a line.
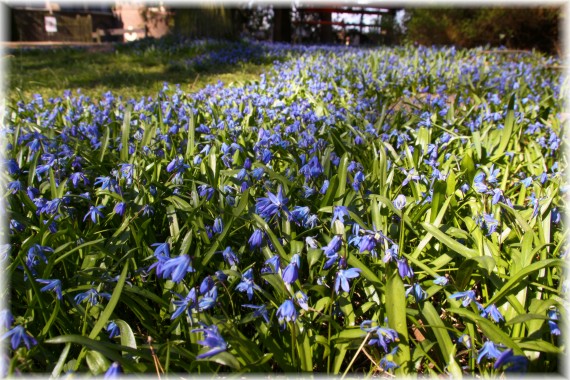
489 329
106 314
506 135
449 242
61 361
397 320
110 350
519 276
541 346
125 134
342 175
439 329
524 318
127 336
224 358
96 362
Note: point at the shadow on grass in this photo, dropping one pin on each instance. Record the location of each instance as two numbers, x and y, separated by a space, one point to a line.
130 75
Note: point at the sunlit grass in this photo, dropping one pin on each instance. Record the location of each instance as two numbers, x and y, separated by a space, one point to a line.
128 73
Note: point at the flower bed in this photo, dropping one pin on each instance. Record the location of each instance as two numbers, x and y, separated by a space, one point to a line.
352 211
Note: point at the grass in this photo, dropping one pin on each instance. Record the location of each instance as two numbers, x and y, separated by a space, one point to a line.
128 72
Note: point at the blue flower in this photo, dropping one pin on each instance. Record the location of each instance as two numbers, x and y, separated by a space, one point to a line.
275 262
343 276
489 351
120 208
331 250
400 202
384 335
324 187
18 336
493 173
212 340
177 267
230 257
260 311
256 239
94 212
78 176
404 269
92 296
519 362
15 186
491 223
162 254
388 364
272 205
218 226
114 372
6 318
493 312
441 281
113 330
417 291
206 285
54 285
205 190
247 285
208 300
467 297
333 246
286 312
302 300
358 179
339 212
184 304
291 271
479 183
391 253
553 315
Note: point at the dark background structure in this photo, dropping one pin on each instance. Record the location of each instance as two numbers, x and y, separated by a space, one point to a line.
521 27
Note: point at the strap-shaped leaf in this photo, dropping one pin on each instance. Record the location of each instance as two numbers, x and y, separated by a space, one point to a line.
449 242
106 314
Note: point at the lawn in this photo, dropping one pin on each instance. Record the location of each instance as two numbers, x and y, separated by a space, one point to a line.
132 71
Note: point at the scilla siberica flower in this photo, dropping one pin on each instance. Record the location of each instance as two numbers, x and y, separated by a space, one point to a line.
218 226
94 212
554 329
343 276
177 267
208 300
493 312
54 285
400 202
114 371
92 296
247 285
213 340
286 312
518 363
256 239
331 251
467 297
384 335
489 351
185 304
404 269
260 311
18 335
230 257
291 271
272 205
113 330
